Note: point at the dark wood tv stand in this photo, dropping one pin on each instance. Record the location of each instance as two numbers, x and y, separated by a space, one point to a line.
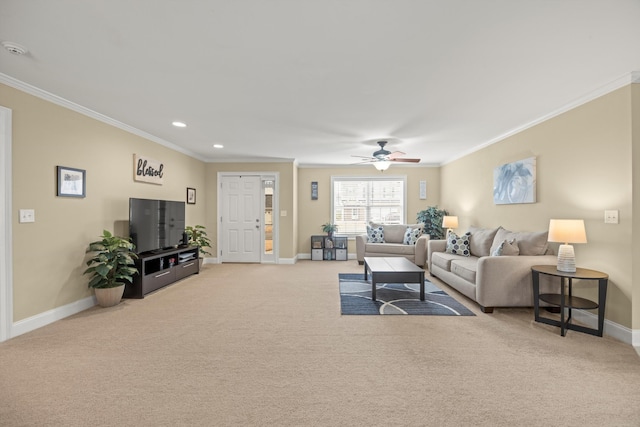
161 268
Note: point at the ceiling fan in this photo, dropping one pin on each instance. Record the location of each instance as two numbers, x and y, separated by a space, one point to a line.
382 158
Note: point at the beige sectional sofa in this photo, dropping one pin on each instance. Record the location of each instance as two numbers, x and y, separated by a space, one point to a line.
499 280
393 244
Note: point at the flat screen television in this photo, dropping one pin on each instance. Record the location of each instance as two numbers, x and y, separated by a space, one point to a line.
155 224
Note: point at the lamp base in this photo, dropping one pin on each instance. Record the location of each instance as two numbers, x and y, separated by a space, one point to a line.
566 259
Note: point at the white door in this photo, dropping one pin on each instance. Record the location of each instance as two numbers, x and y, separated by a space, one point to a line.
241 220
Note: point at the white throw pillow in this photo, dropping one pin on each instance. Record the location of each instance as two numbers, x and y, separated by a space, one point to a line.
507 248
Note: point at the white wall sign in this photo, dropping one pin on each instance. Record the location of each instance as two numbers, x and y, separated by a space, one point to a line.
147 170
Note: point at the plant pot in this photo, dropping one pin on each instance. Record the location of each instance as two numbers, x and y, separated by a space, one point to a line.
200 262
108 297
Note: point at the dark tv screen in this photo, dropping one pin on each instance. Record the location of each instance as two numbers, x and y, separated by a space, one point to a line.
155 224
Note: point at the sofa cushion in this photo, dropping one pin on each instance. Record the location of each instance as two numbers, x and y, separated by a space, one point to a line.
465 268
529 243
399 249
411 235
375 234
458 245
443 260
481 240
507 248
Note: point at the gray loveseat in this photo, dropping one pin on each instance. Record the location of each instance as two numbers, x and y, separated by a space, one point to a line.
393 244
501 280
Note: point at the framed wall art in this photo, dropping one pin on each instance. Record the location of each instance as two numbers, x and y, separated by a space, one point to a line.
515 182
191 196
71 182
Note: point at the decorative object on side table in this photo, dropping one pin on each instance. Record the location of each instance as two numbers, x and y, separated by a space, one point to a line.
449 222
432 218
198 237
329 228
111 267
567 231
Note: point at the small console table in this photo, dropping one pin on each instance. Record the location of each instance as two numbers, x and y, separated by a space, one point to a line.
569 301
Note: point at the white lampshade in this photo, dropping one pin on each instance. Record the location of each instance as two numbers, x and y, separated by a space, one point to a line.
450 221
382 165
567 231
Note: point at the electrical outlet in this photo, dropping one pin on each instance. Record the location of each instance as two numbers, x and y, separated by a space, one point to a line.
611 217
27 215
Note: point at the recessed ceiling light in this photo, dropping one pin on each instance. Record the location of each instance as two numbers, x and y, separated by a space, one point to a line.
218 146
179 124
14 48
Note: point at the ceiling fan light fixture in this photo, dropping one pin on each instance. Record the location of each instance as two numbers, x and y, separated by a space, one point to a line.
382 165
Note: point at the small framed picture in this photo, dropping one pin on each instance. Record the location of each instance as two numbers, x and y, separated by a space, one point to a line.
191 196
71 182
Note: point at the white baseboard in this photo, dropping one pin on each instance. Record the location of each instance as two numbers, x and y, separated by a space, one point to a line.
39 320
612 329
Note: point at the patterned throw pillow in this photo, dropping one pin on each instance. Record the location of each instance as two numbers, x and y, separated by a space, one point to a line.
507 248
411 235
458 245
375 234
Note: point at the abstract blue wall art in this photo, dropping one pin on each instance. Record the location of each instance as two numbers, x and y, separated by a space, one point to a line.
515 182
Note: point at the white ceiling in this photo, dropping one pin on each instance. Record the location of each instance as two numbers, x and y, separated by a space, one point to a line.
318 81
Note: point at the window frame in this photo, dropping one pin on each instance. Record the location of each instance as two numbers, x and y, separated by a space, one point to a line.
339 178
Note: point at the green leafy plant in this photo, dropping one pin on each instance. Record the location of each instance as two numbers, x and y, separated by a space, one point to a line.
112 264
432 220
329 228
198 237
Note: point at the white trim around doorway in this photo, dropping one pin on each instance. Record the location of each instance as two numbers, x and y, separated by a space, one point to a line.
6 264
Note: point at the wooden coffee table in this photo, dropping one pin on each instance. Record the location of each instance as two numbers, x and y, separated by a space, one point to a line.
392 270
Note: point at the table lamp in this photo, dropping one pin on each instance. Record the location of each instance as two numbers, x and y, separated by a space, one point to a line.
450 222
567 231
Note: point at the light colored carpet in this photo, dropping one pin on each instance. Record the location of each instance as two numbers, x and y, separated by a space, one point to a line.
266 345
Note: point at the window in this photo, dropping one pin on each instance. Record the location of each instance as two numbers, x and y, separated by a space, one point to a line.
357 200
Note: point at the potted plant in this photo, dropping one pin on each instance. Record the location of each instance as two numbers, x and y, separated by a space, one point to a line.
198 237
329 228
111 267
432 220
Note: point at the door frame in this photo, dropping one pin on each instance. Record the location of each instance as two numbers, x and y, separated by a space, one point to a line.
6 265
264 258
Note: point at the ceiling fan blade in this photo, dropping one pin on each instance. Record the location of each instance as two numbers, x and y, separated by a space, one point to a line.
405 160
365 157
395 154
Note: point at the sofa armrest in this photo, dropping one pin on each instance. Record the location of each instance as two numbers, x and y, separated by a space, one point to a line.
434 246
361 242
421 250
506 280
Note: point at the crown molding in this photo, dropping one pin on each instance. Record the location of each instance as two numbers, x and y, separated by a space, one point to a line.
55 99
627 79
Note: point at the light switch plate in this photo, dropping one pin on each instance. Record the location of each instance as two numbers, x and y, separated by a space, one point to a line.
611 217
27 215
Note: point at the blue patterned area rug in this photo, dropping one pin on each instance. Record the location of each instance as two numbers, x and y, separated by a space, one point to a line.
396 298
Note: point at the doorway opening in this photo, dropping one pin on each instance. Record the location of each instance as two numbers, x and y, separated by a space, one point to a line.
247 226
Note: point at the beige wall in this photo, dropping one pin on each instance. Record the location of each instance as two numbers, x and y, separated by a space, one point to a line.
49 255
583 167
314 213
